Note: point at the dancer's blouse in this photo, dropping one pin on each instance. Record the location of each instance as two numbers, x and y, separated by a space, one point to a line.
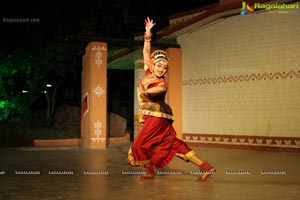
153 104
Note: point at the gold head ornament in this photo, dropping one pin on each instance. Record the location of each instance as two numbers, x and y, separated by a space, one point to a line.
159 54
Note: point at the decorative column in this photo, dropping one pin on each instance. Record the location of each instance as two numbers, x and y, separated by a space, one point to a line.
94 97
174 97
139 73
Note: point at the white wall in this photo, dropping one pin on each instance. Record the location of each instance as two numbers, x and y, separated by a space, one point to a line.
241 76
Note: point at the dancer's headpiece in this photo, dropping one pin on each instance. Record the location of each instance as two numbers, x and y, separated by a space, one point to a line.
159 54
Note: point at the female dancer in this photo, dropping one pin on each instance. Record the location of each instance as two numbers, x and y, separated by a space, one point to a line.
156 144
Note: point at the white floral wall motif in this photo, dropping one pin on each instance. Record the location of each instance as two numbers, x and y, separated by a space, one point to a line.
98 132
99 55
98 90
258 141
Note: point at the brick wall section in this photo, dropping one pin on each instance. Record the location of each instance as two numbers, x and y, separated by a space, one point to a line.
241 76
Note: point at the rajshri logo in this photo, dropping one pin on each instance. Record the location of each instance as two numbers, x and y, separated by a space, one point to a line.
284 8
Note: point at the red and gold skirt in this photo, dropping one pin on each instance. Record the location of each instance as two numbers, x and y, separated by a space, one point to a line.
157 144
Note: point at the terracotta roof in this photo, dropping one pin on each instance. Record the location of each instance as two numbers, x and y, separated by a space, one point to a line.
204 13
215 11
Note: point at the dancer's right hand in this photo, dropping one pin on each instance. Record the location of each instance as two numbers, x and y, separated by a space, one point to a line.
149 24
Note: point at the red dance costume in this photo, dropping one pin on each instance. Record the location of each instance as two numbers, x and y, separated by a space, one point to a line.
156 143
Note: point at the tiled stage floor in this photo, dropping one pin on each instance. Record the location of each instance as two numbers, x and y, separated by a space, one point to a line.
241 175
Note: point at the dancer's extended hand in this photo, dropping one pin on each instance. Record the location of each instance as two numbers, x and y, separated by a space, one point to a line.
140 86
149 24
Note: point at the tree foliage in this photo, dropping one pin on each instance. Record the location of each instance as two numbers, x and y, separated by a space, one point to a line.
19 84
34 54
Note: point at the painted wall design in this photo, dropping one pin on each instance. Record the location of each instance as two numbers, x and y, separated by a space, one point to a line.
241 79
244 142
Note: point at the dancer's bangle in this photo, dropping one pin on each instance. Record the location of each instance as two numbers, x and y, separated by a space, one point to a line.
147 38
145 93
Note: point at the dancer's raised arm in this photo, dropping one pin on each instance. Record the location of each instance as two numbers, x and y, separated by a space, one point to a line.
147 41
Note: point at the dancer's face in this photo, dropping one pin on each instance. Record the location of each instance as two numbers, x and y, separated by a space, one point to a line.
160 68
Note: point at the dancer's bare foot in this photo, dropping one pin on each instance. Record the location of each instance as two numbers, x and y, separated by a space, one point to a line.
150 172
207 169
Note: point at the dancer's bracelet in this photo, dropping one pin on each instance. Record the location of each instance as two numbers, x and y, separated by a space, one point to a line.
147 38
145 93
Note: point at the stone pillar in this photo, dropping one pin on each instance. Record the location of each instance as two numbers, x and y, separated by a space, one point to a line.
174 97
94 97
139 73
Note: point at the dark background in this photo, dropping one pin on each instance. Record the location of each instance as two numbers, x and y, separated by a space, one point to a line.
42 52
104 18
